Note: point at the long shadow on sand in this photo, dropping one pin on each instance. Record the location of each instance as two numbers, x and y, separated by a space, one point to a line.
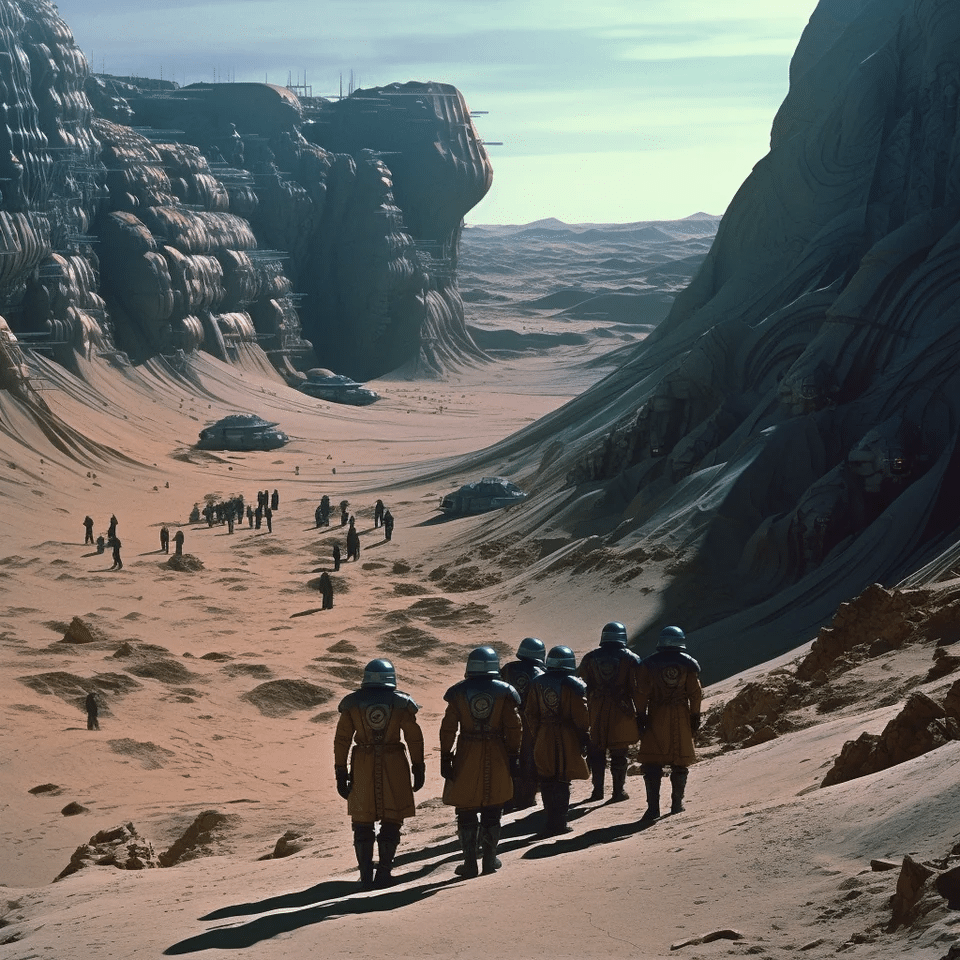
265 928
592 838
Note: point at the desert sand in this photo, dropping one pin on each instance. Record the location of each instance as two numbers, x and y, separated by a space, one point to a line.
220 686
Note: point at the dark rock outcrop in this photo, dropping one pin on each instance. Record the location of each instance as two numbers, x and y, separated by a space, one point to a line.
791 425
139 218
120 847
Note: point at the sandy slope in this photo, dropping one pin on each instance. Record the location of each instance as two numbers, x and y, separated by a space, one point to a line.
760 849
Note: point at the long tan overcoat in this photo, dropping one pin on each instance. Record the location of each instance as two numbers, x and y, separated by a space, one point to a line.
669 692
482 721
557 715
372 719
611 673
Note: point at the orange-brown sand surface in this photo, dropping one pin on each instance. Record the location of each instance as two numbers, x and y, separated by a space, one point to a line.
220 689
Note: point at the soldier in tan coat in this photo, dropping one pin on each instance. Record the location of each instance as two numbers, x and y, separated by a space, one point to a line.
480 739
376 785
670 694
611 673
559 723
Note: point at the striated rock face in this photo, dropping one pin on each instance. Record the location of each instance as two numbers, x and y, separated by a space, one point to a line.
792 424
146 219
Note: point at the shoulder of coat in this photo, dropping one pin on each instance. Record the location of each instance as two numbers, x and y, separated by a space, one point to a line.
689 662
574 683
453 691
506 689
404 700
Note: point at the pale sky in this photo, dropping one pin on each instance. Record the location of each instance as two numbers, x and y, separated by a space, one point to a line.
609 111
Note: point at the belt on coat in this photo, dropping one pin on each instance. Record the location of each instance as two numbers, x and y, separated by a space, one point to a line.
481 736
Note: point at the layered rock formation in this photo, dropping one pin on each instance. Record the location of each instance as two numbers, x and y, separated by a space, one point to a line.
148 219
790 428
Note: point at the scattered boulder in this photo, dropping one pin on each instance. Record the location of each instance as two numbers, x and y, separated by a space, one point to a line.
725 934
48 789
921 726
757 706
951 705
185 563
166 671
73 808
198 839
943 663
291 842
276 698
120 847
911 886
149 755
80 631
879 618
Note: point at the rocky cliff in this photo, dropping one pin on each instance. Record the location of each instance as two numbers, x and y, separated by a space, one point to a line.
789 431
141 219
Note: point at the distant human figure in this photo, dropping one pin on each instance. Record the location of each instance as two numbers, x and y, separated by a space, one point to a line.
275 500
268 514
88 526
318 516
164 539
378 514
178 543
112 529
353 544
208 513
229 521
93 711
195 514
101 544
117 562
326 590
344 512
325 511
388 526
336 556
258 515
249 516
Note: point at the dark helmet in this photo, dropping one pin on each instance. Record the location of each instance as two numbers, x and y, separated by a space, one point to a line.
614 633
561 658
483 662
531 649
672 638
379 673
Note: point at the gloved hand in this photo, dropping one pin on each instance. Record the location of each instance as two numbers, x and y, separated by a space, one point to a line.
343 782
419 776
695 722
515 767
446 766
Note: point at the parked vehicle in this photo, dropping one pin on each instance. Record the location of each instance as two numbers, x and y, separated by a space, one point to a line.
242 431
337 388
490 493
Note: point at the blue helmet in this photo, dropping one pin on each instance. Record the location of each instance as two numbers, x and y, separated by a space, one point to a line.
379 673
672 638
483 662
531 649
561 658
614 633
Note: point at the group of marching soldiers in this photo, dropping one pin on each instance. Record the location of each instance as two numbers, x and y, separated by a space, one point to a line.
539 722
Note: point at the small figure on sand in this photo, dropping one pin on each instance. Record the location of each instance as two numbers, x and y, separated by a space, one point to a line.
378 787
88 526
164 539
336 556
353 542
325 587
93 711
388 526
275 500
268 516
112 529
557 715
378 514
117 562
178 541
344 512
477 780
195 513
670 695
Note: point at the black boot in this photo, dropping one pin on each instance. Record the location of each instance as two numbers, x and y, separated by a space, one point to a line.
678 784
489 838
618 772
363 845
556 802
468 831
651 780
387 843
598 770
